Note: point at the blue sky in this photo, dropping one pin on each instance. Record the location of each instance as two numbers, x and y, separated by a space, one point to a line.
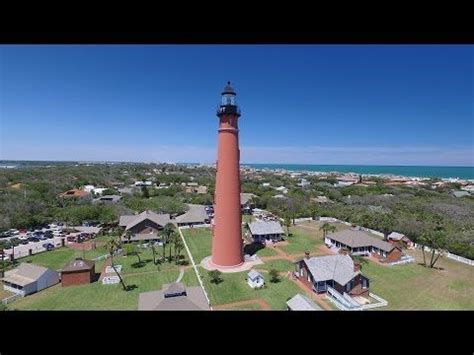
320 104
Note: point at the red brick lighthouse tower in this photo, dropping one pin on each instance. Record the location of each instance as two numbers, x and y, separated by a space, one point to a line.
227 239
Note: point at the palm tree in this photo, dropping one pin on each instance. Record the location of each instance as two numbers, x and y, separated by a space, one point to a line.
166 233
112 246
178 247
326 228
287 222
153 251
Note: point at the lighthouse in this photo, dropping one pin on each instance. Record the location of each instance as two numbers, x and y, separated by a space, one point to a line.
227 235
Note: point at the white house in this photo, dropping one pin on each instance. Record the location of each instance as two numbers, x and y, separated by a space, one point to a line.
262 231
28 278
282 189
304 183
255 279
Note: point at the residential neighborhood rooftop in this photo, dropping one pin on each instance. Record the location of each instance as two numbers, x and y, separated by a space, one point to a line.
265 227
356 239
131 221
339 268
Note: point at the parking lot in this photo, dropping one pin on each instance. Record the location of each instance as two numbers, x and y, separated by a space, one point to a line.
35 247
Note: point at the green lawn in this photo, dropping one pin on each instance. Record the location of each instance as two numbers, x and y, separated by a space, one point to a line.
267 251
279 265
101 297
234 288
413 286
130 263
303 238
199 242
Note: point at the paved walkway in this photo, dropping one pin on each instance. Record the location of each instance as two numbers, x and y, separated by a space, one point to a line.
195 267
181 274
107 262
259 301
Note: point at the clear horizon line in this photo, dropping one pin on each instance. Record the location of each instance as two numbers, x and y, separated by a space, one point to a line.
242 163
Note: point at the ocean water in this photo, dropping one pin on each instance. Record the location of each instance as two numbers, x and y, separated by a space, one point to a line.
461 172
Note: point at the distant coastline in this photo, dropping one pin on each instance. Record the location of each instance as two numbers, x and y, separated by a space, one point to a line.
445 172
461 172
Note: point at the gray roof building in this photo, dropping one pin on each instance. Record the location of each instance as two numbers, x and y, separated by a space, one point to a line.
356 239
131 221
173 297
302 303
253 275
246 197
265 227
195 214
461 193
108 199
339 268
396 236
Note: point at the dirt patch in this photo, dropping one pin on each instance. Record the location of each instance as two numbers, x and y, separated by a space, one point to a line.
261 302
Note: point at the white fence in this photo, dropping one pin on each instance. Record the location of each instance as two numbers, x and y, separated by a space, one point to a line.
404 260
460 259
12 298
196 226
347 304
449 255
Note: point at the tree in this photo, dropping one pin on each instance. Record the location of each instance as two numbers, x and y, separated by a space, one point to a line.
113 246
436 241
326 228
178 247
145 192
287 223
215 276
153 251
274 276
314 211
386 224
167 233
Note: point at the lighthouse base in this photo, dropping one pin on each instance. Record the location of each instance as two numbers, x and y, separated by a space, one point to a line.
248 264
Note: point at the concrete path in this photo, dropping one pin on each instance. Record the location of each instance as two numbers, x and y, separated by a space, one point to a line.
181 274
195 267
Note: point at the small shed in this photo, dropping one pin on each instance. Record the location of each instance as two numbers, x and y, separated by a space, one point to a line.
302 303
255 279
78 272
29 278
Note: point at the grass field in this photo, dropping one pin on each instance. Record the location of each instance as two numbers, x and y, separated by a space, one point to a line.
101 297
279 265
234 288
413 286
267 251
306 237
199 242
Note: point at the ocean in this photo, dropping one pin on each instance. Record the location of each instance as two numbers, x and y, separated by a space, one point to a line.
461 172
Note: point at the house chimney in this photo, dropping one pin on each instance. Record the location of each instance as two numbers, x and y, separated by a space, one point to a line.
357 267
306 254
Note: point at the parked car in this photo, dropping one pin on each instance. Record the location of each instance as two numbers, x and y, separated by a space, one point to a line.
48 246
24 242
33 239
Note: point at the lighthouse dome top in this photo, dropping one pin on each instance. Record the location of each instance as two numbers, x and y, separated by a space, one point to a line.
228 89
